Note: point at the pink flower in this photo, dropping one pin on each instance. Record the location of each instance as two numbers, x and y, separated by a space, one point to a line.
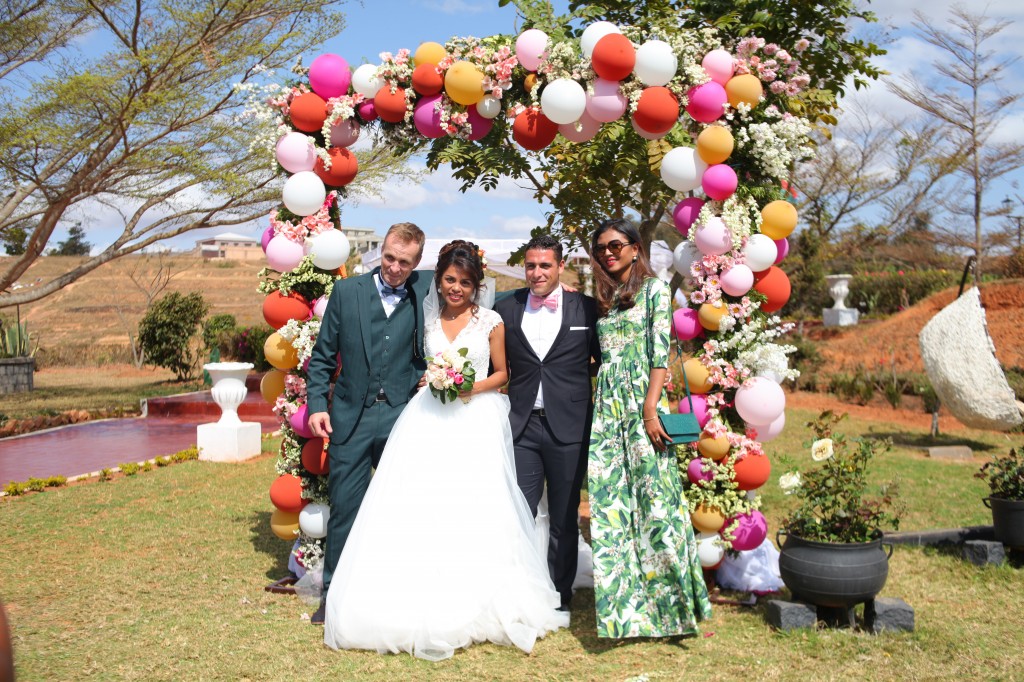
802 45
458 380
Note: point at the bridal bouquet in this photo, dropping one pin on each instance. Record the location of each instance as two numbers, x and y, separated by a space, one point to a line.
450 373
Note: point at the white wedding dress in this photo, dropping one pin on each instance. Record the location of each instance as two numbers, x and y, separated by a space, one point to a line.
443 552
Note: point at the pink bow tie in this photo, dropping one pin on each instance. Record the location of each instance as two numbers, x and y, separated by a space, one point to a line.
550 302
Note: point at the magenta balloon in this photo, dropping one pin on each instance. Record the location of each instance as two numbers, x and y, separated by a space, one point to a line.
283 254
299 422
707 102
589 128
751 532
700 408
329 76
685 324
268 234
345 133
783 246
607 103
737 280
295 153
367 111
696 472
760 400
685 214
719 181
481 124
427 118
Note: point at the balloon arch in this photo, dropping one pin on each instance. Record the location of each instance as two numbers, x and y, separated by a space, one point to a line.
731 100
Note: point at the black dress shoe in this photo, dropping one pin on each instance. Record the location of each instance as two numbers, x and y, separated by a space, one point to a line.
320 614
564 608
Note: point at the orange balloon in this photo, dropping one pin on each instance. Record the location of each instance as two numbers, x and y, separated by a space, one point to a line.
429 53
530 82
774 284
343 170
614 57
272 385
710 316
464 83
697 376
752 472
778 219
308 112
657 110
707 519
286 493
285 525
390 106
744 89
715 144
314 456
533 130
713 448
279 308
426 80
280 352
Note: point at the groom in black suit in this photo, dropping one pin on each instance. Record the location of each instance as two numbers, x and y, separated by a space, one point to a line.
552 350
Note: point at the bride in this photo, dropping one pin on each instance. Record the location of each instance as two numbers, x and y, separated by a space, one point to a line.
442 553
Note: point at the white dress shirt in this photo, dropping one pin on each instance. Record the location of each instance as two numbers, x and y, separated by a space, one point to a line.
540 327
389 301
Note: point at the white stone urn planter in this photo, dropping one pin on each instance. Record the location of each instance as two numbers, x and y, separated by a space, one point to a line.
230 439
839 315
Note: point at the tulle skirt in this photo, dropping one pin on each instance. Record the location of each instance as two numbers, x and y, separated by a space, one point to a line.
443 552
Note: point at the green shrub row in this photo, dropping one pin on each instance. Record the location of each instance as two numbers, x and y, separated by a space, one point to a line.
882 293
15 488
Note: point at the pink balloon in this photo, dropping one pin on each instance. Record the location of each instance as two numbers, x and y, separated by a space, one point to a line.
737 280
329 76
707 102
295 153
481 124
607 103
685 324
719 181
530 47
700 408
427 118
345 133
299 421
760 400
267 235
783 246
720 65
367 111
767 432
713 237
589 128
644 134
696 472
320 306
685 214
751 532
283 254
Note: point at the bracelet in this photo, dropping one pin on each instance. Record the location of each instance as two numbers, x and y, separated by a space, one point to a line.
647 419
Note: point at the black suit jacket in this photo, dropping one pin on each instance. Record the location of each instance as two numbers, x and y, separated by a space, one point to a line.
565 370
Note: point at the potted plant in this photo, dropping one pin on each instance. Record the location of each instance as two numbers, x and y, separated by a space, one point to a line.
17 361
833 554
1005 478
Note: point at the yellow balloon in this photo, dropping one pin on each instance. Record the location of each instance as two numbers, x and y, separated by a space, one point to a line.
272 385
697 376
464 83
744 89
429 53
280 353
713 448
285 525
711 316
707 519
778 219
530 81
715 144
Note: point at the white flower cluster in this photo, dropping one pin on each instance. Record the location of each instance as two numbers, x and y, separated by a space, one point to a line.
767 360
302 336
790 482
261 122
777 144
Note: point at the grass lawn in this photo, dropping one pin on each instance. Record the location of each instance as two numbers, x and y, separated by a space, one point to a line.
160 576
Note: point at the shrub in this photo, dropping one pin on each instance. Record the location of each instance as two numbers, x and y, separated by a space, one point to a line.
185 455
215 326
163 461
36 485
167 332
856 387
56 481
245 344
147 466
807 359
1005 476
106 474
1015 377
14 488
889 292
129 468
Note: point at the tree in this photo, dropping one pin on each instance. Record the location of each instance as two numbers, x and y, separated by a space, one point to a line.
74 245
148 128
168 333
964 94
13 239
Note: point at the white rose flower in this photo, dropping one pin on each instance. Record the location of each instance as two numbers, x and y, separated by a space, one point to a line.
790 482
821 449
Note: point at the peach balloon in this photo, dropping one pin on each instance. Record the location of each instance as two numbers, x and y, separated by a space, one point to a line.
744 89
715 144
778 219
697 376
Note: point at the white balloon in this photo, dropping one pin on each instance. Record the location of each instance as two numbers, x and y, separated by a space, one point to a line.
489 107
709 549
313 519
760 252
593 33
767 432
563 101
365 81
681 169
682 258
304 193
330 249
656 63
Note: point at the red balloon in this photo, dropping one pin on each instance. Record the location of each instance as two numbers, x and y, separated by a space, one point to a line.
774 284
752 472
314 456
308 112
614 57
426 80
657 111
390 106
533 130
344 167
278 308
286 493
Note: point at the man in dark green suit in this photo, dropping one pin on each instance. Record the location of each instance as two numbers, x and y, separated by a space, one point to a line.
373 329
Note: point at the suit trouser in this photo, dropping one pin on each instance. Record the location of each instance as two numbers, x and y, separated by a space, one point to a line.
351 463
539 457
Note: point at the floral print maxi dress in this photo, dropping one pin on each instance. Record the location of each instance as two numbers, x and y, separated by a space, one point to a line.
647 578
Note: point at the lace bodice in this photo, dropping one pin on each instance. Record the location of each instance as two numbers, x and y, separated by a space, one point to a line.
474 337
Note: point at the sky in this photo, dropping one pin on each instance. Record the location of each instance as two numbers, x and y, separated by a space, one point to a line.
436 204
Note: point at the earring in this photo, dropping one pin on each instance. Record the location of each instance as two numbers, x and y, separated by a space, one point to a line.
634 258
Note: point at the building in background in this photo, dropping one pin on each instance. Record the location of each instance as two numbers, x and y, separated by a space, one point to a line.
230 246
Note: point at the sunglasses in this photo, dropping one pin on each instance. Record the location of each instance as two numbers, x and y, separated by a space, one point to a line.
612 247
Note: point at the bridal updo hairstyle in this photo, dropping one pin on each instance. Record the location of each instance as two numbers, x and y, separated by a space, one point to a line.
609 293
466 257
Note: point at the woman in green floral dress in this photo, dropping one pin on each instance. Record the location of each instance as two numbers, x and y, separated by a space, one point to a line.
647 578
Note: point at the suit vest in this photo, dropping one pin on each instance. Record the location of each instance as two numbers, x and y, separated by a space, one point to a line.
392 339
